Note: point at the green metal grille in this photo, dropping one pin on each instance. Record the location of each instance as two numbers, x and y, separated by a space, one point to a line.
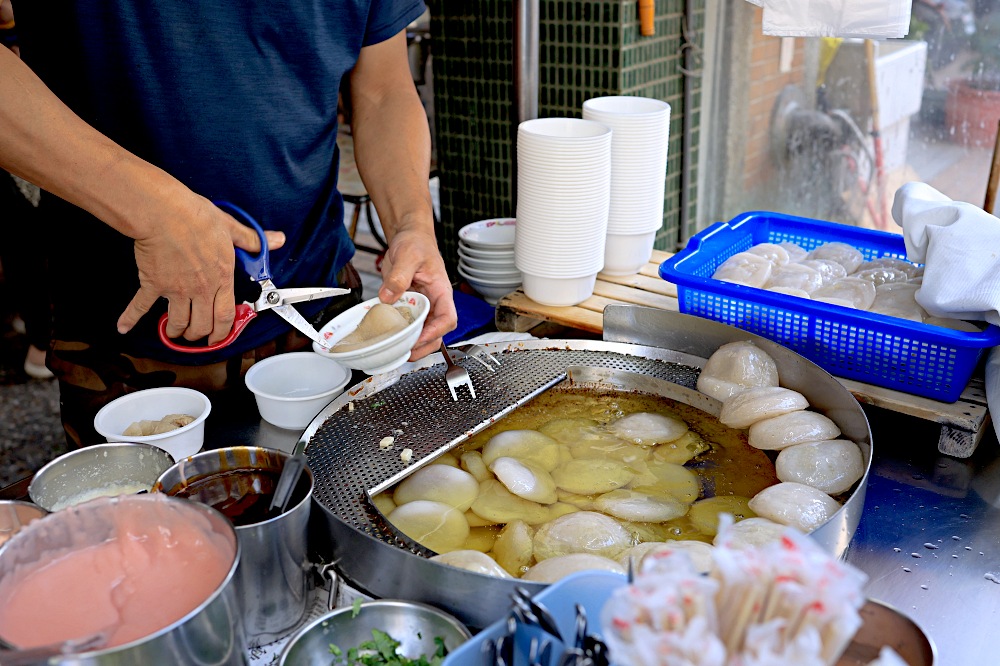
586 49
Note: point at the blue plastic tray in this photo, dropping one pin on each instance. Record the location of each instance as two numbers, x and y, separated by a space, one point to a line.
921 359
591 589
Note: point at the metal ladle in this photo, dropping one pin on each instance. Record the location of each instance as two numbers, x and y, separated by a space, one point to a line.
291 471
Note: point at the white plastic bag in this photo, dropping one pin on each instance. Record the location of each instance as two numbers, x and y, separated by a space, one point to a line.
872 19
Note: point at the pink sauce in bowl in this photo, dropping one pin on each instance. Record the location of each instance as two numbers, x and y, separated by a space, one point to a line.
126 567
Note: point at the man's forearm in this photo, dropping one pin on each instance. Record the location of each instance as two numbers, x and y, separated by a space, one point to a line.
45 143
392 146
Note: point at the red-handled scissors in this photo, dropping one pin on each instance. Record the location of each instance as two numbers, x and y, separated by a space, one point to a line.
270 298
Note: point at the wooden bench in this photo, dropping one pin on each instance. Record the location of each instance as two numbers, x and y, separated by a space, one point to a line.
963 423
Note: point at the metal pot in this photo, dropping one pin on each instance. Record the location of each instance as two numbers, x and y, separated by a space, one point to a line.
97 471
14 515
414 625
417 409
209 635
273 576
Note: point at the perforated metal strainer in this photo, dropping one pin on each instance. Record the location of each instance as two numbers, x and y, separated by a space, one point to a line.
417 411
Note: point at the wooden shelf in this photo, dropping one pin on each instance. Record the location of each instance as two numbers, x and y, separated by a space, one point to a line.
963 423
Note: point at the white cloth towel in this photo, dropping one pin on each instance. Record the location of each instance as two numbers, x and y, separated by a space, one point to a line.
959 245
872 19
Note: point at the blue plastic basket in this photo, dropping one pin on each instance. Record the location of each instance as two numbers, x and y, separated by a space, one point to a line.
921 359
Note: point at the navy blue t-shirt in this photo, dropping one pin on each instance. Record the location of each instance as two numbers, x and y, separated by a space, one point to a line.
236 99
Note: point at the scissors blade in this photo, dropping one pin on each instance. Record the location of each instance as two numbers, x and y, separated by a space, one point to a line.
295 318
303 294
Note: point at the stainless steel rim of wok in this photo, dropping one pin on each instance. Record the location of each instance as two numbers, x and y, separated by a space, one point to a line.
417 410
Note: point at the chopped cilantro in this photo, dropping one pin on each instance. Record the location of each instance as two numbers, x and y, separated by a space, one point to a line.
381 651
356 607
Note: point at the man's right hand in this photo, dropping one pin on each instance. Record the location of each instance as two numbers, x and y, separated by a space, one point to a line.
190 260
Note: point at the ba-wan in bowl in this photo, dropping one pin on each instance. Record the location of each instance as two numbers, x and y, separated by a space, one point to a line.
384 355
414 625
156 404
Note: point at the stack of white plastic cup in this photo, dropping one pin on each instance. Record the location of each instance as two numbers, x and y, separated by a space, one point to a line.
641 129
563 194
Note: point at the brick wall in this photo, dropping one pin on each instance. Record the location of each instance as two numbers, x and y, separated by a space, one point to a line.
766 83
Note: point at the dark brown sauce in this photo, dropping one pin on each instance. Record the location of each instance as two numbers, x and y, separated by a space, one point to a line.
242 495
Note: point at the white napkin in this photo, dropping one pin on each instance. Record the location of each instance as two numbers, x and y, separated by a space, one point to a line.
959 245
872 19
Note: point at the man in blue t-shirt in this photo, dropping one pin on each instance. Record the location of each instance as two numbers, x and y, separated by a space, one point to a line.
136 114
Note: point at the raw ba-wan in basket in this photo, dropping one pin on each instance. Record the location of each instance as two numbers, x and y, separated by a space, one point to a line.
912 357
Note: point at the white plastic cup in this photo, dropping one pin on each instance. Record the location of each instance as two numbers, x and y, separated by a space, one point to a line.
292 388
625 254
558 291
640 135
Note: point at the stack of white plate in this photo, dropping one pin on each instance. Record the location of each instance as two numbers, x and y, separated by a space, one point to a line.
486 258
640 128
563 193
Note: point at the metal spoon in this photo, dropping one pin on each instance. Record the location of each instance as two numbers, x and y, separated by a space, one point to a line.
288 480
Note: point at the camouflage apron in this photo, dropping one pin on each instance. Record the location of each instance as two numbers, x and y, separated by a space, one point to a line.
91 377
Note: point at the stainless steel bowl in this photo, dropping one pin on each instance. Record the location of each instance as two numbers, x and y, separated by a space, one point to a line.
98 471
413 624
15 514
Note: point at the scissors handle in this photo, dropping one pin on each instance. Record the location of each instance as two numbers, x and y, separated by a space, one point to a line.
244 315
257 266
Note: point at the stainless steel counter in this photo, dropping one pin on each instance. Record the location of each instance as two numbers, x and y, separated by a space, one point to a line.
929 538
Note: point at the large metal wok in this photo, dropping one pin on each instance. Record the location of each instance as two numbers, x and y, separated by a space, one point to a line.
416 409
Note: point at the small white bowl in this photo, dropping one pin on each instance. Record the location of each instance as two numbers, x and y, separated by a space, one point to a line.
479 253
486 263
559 291
495 234
384 355
506 274
491 290
152 405
293 388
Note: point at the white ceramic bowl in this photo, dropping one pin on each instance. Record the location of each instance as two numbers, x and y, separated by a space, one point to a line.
559 291
495 234
506 262
384 355
152 405
490 289
480 253
505 274
293 388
